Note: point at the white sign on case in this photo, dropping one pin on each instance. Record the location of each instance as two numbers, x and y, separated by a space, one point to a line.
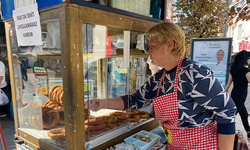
22 3
27 24
126 49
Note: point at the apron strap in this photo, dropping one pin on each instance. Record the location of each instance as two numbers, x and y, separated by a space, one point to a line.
177 75
160 83
175 79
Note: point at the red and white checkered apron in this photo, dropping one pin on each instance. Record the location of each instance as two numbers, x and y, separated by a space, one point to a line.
166 110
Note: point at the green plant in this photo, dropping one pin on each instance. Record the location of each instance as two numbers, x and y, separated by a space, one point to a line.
200 19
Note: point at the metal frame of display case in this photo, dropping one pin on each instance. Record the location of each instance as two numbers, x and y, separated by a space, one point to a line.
71 16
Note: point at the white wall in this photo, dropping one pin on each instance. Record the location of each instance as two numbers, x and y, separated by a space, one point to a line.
240 31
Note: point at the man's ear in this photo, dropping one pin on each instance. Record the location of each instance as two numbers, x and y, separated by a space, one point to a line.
170 44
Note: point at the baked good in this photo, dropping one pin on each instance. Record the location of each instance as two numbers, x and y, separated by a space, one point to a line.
40 117
110 126
110 119
144 114
61 99
56 133
132 111
93 122
61 114
56 94
35 117
120 114
134 118
86 112
95 127
52 90
52 105
45 103
57 97
50 119
122 121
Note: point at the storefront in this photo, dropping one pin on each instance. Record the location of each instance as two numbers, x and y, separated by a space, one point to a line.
241 36
82 57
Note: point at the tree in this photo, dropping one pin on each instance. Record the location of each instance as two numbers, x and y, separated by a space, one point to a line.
239 11
200 19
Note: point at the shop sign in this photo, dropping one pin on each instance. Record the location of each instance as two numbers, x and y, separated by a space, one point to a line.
244 45
213 53
27 24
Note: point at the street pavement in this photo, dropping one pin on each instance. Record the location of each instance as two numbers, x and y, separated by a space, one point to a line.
9 129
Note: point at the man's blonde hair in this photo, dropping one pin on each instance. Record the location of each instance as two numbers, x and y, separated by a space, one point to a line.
167 30
15 56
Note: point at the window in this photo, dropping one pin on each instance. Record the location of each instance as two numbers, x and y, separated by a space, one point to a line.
229 33
239 32
232 32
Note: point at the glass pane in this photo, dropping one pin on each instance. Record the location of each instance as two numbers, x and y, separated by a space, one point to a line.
38 84
105 76
139 68
117 77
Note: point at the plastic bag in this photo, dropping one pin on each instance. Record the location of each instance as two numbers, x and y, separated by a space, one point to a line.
3 98
40 98
152 67
53 36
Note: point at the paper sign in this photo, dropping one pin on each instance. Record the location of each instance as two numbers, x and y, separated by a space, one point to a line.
42 83
126 49
99 41
27 24
22 3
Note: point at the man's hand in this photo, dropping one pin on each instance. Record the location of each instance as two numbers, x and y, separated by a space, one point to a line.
36 90
95 104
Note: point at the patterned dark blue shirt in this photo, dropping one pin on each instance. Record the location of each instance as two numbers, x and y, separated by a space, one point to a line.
201 98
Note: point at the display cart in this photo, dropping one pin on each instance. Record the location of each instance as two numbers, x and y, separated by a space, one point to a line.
82 56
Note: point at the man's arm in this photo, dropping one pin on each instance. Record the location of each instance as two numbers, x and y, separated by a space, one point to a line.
226 141
32 78
111 103
229 82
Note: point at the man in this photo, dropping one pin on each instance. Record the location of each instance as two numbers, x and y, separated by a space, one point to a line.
219 67
209 121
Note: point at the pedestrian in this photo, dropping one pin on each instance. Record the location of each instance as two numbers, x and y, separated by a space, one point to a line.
5 109
240 76
194 109
4 59
20 75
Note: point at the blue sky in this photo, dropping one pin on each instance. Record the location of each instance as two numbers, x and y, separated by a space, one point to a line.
174 2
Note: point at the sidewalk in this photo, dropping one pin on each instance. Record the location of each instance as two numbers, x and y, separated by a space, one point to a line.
8 128
239 125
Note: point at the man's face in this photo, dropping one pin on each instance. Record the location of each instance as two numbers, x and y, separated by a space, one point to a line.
220 55
14 60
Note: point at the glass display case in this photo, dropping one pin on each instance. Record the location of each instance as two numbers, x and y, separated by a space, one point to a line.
82 58
103 50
